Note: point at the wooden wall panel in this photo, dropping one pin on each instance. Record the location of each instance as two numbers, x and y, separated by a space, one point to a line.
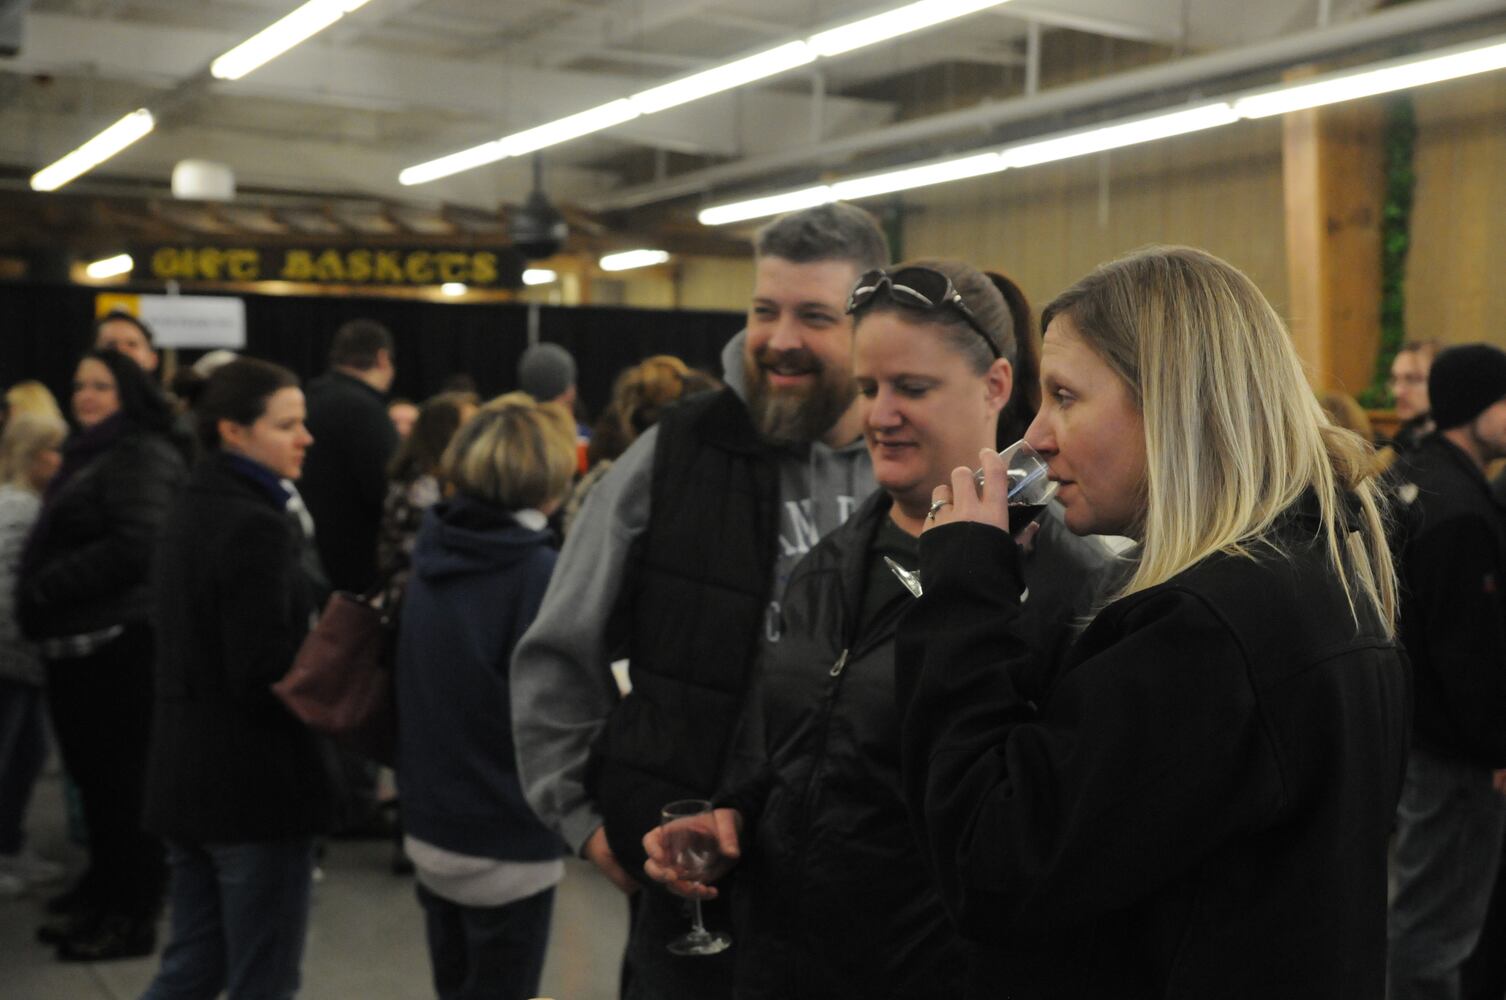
1047 226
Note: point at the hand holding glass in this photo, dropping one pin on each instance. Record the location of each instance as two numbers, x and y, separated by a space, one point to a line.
688 828
1029 492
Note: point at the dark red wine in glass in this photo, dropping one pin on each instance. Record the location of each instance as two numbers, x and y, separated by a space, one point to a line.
1021 514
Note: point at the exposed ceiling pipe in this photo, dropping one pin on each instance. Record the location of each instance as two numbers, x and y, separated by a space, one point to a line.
1389 24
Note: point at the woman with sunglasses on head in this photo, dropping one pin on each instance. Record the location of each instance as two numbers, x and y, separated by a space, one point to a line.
1197 805
832 897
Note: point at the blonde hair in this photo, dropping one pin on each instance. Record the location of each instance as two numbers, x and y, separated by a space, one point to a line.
515 452
32 396
1233 434
26 436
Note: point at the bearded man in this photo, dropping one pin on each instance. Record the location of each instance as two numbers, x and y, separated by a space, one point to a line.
676 562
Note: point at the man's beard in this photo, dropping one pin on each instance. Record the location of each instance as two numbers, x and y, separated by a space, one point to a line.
796 415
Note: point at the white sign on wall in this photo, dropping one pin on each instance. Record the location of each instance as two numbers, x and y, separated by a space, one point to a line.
186 320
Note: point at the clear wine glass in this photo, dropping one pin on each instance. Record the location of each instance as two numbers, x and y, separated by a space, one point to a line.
1029 492
689 831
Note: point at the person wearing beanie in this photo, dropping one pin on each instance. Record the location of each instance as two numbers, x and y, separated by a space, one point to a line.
1451 818
547 373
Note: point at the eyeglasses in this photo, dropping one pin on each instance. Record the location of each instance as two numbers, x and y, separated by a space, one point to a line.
917 288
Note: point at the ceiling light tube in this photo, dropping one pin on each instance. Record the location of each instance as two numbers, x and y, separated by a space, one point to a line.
539 276
724 77
453 289
893 23
626 260
94 152
110 267
774 204
921 176
1128 133
466 159
573 127
1383 79
275 39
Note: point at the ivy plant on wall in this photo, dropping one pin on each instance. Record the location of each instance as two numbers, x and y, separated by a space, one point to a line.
1396 240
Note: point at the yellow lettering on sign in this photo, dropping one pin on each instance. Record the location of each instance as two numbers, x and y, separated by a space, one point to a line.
298 265
483 268
389 269
419 267
207 263
451 266
358 265
243 263
165 263
329 266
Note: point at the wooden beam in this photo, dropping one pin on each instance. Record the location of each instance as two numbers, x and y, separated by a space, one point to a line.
1334 174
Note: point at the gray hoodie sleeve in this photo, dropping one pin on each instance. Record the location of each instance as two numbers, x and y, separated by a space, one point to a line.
562 685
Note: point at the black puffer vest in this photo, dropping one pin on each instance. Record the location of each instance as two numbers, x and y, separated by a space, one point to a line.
697 588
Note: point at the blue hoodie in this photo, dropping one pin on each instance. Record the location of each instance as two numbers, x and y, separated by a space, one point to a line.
477 580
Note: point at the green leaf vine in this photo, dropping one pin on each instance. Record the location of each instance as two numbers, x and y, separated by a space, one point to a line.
1396 239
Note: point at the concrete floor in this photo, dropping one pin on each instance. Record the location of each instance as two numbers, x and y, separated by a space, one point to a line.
365 938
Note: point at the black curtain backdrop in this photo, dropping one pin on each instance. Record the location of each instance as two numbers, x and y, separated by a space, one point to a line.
44 329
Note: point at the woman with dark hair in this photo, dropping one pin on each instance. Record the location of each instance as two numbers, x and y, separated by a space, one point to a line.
236 785
831 896
84 594
413 484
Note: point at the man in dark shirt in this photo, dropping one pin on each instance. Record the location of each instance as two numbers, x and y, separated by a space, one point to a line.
345 477
1453 566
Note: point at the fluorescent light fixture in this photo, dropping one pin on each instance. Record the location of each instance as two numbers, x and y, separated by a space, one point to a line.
564 129
1383 79
539 276
110 267
1128 133
453 288
94 152
626 260
454 163
921 176
724 77
774 204
275 39
737 73
893 23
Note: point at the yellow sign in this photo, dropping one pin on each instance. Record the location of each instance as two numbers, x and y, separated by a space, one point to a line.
334 266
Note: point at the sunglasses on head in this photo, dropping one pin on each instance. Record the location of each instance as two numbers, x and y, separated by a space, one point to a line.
918 288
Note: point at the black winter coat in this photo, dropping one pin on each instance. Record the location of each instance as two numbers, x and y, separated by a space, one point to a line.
832 898
89 568
228 761
1453 564
1198 807
344 479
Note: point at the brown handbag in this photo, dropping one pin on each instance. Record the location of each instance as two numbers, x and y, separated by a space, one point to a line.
341 681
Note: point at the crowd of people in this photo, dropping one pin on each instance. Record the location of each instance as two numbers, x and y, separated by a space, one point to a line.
1173 737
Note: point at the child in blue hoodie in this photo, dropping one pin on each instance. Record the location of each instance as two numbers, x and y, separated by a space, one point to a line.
486 866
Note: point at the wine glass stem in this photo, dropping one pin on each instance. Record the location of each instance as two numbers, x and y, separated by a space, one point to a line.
699 927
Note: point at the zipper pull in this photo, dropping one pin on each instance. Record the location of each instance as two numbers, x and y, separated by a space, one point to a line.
836 670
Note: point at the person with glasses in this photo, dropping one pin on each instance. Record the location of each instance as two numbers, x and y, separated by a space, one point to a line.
831 893
1198 803
1409 387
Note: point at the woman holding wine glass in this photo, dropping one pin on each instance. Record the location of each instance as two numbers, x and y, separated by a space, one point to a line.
831 894
1197 805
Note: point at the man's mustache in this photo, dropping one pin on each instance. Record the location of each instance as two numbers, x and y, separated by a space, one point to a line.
796 361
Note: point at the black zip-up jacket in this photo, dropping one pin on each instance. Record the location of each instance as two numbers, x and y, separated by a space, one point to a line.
1453 617
229 763
832 898
90 567
1198 807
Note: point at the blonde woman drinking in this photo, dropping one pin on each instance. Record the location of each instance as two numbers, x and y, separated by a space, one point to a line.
1197 804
